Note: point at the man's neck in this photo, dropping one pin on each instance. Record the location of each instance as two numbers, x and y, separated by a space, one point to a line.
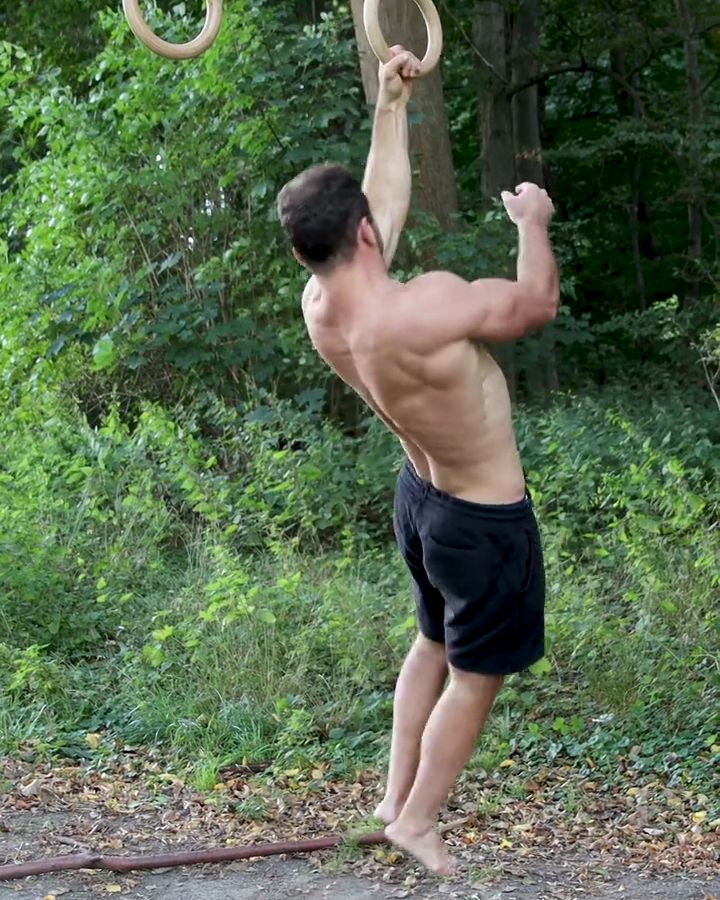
353 281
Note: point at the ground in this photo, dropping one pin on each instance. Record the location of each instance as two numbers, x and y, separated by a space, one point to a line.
557 837
282 879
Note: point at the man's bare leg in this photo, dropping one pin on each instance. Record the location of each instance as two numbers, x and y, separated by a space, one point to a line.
418 689
447 745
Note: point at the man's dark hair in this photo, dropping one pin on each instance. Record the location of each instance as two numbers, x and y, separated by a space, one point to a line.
320 210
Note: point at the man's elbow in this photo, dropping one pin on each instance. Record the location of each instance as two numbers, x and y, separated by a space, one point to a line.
555 296
549 305
552 309
543 311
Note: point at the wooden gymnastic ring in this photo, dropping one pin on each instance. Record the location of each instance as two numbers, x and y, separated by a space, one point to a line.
432 22
213 21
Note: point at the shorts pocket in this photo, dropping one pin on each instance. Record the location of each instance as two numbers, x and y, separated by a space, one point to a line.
502 563
528 547
533 590
460 572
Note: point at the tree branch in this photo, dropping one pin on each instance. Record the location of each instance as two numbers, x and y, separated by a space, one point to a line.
470 42
584 66
581 67
711 81
712 380
91 860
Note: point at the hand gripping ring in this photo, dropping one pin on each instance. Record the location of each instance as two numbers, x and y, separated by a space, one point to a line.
193 48
432 22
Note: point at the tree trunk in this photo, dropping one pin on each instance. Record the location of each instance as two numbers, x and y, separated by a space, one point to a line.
695 121
368 60
526 113
628 107
435 188
526 104
491 41
635 201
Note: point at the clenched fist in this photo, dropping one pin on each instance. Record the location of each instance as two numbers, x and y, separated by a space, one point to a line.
396 76
528 205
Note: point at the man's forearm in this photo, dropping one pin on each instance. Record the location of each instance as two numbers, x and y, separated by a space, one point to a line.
537 269
388 165
388 176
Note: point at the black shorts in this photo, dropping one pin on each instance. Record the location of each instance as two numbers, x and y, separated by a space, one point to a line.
478 575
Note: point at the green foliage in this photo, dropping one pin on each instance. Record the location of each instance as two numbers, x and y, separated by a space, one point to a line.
139 194
709 349
631 540
66 35
196 518
76 506
142 212
240 622
622 156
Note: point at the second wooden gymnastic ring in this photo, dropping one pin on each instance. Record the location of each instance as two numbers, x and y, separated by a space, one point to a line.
213 21
432 22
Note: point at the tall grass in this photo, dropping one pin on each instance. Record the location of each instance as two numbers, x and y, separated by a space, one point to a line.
253 611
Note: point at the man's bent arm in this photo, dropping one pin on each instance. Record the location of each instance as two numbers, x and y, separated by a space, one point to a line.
510 309
388 175
537 272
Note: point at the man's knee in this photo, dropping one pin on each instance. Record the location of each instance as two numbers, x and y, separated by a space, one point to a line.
432 649
476 683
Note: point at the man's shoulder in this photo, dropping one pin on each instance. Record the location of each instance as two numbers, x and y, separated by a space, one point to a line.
436 280
436 284
311 293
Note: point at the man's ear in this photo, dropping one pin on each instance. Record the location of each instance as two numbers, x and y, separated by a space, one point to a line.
299 258
367 234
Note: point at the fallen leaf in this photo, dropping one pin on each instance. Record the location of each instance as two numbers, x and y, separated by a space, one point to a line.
32 789
173 779
113 888
93 740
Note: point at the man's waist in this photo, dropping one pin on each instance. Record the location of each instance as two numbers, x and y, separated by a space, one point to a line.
507 493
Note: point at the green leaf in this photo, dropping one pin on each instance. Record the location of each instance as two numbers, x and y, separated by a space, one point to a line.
542 667
104 353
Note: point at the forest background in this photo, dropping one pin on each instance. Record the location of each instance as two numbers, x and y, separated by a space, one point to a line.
196 550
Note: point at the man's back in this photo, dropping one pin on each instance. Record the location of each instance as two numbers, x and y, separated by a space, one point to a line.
442 394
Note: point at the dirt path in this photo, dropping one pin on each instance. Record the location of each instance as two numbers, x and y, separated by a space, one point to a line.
285 879
566 840
565 874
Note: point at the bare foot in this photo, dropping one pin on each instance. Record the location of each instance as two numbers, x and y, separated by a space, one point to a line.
428 847
388 811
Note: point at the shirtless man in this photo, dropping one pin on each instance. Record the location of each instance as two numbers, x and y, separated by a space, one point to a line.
462 517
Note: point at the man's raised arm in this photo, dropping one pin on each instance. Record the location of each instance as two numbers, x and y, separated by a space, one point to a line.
498 309
388 176
531 209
